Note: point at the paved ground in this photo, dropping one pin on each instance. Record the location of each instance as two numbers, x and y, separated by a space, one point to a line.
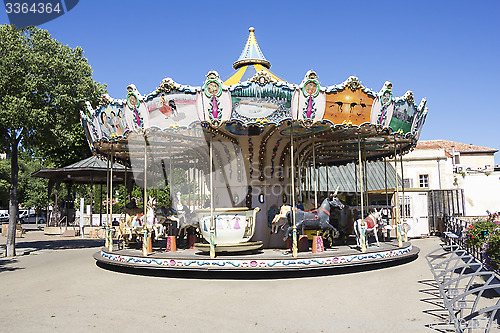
59 288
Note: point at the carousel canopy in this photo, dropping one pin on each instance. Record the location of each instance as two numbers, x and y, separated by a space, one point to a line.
258 113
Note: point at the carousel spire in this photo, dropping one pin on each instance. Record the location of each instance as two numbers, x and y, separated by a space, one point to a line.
251 54
250 62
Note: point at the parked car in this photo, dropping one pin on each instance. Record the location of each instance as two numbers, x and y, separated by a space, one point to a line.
30 217
4 217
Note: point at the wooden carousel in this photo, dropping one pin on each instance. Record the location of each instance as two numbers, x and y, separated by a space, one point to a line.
248 149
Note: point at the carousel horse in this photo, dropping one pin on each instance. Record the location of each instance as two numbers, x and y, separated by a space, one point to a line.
316 219
151 221
279 219
371 224
185 220
135 220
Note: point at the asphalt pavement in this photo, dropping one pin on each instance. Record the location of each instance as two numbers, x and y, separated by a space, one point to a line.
57 287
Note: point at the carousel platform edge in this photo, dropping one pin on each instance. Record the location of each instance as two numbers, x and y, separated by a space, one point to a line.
265 261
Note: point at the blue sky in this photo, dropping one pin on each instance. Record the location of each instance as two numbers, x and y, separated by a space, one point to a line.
446 51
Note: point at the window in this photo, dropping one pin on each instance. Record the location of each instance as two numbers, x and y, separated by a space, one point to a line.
407 204
423 180
407 183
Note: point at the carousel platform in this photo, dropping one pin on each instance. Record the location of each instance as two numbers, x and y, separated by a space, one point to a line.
190 260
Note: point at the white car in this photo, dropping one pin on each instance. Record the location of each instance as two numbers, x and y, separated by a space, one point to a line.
4 217
30 217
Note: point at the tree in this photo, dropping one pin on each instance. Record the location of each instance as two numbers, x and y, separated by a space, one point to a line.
43 85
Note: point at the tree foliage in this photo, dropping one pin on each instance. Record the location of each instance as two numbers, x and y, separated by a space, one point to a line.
43 86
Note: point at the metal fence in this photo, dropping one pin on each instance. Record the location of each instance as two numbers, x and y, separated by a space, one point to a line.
458 227
443 203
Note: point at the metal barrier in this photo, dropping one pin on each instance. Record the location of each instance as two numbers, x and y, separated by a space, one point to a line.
470 293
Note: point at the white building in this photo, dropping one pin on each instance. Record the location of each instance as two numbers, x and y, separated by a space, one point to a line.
461 176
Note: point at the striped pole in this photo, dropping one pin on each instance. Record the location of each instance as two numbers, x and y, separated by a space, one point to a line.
212 222
363 228
396 196
315 177
145 251
107 206
110 203
404 229
294 237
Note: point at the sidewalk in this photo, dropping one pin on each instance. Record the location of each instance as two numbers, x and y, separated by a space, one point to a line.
61 291
33 241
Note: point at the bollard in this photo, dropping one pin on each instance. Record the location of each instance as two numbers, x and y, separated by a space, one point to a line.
191 240
303 245
150 243
171 244
317 245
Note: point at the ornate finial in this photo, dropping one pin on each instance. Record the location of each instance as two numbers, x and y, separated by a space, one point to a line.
353 83
311 75
251 54
262 77
105 99
409 97
166 85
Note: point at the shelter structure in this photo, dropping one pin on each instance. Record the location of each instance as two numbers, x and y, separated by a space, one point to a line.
246 141
92 170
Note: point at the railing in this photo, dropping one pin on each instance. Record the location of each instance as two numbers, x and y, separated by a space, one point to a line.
458 227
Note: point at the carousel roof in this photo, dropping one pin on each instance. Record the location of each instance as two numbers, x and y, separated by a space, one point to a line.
250 62
255 107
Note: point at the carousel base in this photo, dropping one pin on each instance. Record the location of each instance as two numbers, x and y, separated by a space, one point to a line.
238 247
262 260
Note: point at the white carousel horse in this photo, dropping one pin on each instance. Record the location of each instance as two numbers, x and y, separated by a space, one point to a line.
185 220
279 219
151 221
371 224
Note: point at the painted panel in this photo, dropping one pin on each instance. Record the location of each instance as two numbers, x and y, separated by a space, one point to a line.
403 115
214 100
383 106
172 109
110 120
346 106
136 112
253 102
419 119
309 100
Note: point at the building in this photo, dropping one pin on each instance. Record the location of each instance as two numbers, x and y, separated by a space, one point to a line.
454 178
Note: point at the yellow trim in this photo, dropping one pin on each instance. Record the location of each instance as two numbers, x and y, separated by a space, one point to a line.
236 77
259 67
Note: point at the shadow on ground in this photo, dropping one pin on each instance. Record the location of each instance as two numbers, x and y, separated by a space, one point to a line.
5 265
252 275
60 244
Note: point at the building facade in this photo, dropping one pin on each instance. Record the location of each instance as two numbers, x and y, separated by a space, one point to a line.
454 178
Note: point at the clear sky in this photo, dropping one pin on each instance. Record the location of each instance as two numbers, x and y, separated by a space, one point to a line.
446 51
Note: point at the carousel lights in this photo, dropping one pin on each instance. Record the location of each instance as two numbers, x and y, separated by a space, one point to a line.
250 156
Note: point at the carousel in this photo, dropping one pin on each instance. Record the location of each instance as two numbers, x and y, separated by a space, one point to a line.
238 159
